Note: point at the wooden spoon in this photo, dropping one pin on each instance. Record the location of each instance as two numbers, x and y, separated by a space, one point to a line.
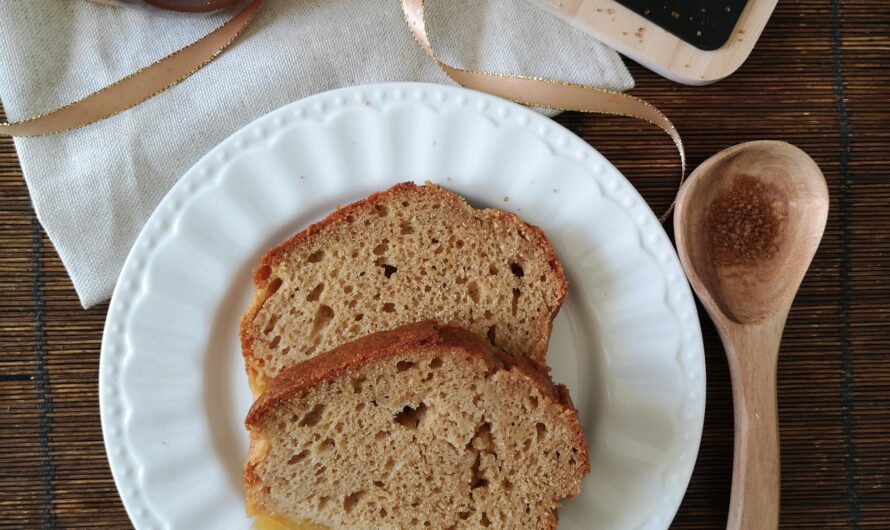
748 222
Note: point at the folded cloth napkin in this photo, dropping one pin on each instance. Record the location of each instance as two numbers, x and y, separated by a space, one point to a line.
93 188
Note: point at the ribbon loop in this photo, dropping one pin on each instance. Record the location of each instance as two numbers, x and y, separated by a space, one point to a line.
547 93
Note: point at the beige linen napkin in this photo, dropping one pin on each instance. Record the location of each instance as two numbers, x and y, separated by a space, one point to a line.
94 188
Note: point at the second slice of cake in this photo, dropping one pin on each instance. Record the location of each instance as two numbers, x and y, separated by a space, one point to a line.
423 426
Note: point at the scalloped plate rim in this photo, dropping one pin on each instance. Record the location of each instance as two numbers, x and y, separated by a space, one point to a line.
112 404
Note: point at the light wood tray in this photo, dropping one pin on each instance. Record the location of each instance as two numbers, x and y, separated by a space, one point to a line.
660 51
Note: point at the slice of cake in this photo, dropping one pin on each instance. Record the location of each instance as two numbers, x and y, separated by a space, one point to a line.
419 427
407 254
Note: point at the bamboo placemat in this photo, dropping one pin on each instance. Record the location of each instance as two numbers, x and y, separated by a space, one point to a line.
818 78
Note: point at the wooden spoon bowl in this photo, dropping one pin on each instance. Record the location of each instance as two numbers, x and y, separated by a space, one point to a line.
748 222
750 291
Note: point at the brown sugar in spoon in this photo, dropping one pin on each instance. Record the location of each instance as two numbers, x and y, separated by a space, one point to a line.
747 224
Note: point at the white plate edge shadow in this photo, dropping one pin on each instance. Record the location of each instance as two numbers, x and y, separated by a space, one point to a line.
115 411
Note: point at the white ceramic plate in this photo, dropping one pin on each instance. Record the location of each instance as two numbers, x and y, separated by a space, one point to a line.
627 342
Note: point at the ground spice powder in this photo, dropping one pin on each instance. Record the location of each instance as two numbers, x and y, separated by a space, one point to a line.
743 223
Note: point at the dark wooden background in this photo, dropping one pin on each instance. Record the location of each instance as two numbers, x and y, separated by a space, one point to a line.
818 78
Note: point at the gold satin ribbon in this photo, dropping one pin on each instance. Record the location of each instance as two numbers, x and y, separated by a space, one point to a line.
139 86
169 71
547 93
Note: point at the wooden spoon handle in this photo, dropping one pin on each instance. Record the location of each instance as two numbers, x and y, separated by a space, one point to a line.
754 502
